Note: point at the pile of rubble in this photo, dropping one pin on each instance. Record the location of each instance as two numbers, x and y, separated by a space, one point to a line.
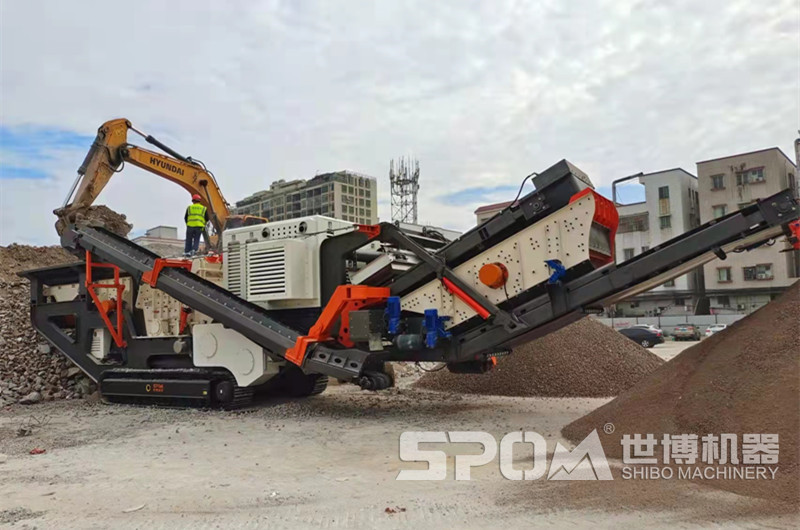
98 215
584 359
30 371
743 381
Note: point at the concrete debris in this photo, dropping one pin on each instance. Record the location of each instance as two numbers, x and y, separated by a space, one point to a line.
28 364
96 216
584 359
741 381
31 399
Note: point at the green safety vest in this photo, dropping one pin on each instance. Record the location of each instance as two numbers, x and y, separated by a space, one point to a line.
196 215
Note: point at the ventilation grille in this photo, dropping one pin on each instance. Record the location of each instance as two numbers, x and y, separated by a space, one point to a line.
233 262
100 343
266 272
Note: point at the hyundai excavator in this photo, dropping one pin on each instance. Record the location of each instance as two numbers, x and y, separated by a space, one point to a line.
111 150
294 302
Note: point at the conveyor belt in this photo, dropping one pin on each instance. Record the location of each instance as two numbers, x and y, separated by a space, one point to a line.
559 305
201 295
247 318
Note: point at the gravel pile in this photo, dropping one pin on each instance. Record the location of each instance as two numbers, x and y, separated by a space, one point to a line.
95 215
743 380
584 359
30 371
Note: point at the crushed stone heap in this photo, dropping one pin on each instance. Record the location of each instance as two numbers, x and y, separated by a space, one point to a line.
584 359
744 380
28 364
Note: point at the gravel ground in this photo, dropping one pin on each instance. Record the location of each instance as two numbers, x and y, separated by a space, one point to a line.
328 461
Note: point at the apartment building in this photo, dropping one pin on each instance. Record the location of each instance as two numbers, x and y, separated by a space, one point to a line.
670 208
745 281
343 195
484 213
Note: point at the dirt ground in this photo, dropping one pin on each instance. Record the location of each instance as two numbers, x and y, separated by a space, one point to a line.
328 461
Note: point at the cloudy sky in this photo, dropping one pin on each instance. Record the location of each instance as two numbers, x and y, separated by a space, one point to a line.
481 92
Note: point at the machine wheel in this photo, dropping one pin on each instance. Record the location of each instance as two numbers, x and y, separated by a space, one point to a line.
224 392
295 383
228 395
645 343
375 381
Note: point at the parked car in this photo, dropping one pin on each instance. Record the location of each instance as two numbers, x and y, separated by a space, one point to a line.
686 332
648 327
644 337
715 328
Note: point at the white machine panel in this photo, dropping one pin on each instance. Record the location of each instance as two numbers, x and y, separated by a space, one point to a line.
564 236
276 265
216 346
277 270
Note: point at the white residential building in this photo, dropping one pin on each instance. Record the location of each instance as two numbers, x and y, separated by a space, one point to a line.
670 208
744 282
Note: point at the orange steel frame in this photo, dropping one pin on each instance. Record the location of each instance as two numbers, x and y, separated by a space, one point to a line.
345 298
605 214
104 307
151 277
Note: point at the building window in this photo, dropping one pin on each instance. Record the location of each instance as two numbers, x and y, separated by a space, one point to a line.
724 275
627 253
724 301
633 223
366 193
670 283
666 221
663 192
718 182
750 176
634 305
680 301
645 248
720 210
759 272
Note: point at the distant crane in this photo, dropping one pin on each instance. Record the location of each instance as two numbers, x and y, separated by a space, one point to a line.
404 185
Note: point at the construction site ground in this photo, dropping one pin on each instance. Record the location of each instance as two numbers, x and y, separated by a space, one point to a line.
329 462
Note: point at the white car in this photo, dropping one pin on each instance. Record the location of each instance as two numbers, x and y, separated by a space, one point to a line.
648 327
715 328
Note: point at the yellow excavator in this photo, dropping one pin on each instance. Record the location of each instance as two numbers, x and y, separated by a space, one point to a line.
111 150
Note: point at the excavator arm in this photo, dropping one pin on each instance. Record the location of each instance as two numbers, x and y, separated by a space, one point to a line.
111 150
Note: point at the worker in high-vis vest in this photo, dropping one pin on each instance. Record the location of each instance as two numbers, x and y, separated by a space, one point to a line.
196 218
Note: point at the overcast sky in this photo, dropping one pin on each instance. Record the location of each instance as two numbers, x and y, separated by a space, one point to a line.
482 93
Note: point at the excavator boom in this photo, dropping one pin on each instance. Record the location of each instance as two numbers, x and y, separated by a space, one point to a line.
111 150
